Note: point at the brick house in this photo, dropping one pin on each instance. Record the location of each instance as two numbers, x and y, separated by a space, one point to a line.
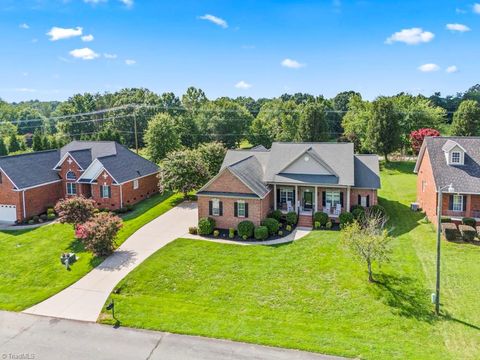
300 177
105 171
449 160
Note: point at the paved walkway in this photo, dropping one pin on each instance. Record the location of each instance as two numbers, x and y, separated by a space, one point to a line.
37 337
84 299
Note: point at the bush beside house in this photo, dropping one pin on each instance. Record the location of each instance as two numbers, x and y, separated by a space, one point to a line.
468 232
450 231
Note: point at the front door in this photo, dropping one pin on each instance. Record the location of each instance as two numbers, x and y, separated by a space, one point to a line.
307 200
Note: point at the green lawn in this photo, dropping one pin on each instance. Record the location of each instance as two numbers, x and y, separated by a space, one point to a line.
31 269
311 295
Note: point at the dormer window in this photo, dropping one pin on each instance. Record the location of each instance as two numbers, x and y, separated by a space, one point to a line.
456 157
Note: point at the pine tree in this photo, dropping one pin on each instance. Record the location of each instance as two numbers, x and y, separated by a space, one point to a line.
53 143
3 148
37 143
46 143
13 144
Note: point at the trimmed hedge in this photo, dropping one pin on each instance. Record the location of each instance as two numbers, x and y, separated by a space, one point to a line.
261 233
291 218
275 214
272 225
345 218
468 232
206 226
445 219
231 233
450 231
468 221
378 209
355 207
245 229
320 217
358 213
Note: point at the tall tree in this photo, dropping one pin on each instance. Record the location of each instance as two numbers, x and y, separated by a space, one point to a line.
312 125
161 137
193 99
13 144
466 119
383 129
37 141
212 155
3 148
355 122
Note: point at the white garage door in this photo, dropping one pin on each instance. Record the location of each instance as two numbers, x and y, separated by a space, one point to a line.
8 213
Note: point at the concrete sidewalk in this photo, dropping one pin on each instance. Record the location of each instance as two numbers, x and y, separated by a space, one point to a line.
37 337
84 299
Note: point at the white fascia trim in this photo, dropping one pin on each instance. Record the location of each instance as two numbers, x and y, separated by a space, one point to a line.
89 166
103 169
140 177
8 177
309 185
39 185
63 159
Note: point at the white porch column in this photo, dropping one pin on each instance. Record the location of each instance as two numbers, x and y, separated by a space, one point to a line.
315 208
274 196
348 198
296 199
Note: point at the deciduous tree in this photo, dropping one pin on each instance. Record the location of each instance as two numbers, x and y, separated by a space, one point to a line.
75 210
161 137
466 119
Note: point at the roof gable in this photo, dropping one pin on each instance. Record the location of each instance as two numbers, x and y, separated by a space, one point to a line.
308 163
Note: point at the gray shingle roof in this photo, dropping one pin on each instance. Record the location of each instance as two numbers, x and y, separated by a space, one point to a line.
250 172
367 171
464 178
82 157
98 148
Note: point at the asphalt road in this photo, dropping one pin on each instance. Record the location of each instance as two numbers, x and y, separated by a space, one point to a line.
33 337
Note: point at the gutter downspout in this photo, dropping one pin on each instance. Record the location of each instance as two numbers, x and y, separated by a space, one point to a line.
24 207
121 196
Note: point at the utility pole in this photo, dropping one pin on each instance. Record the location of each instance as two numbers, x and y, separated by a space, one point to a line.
135 129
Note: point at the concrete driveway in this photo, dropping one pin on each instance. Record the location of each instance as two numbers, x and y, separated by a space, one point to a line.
84 299
37 337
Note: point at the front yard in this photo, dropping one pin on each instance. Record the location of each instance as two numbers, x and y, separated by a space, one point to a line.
31 269
311 295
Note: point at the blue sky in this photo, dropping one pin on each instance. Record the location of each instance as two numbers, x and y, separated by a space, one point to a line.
233 48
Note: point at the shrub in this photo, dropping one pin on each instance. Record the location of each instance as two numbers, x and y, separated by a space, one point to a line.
445 219
354 207
450 231
358 213
468 221
31 222
231 233
377 209
193 230
320 217
261 233
244 237
206 226
51 217
245 228
275 214
43 217
50 211
329 225
346 218
468 232
288 227
317 225
291 218
36 219
216 233
280 233
122 210
98 234
75 210
271 224
129 207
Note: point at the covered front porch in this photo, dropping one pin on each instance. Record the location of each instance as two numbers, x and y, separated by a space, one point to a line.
305 200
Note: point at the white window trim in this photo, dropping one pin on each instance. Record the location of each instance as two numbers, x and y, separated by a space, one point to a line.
456 209
459 157
102 189
329 194
241 202
286 193
70 172
135 184
363 200
215 207
70 186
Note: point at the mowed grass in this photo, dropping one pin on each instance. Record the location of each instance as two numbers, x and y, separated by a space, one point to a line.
312 295
30 260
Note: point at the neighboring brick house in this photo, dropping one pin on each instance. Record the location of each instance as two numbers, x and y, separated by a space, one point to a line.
105 171
445 161
300 177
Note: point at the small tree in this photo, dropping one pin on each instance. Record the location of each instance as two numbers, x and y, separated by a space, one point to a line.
98 234
13 144
75 210
3 148
182 171
368 240
212 155
417 136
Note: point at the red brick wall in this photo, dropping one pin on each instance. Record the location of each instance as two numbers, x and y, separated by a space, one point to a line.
111 203
147 186
227 182
38 199
427 197
363 192
10 197
66 167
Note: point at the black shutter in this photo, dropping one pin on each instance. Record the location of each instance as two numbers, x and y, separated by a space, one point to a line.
324 198
246 210
450 202
359 202
278 196
210 206
235 209
464 200
109 192
221 207
341 199
368 200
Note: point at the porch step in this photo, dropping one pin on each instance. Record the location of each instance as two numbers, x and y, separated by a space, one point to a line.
305 221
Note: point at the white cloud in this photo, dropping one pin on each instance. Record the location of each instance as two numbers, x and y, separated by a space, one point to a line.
30 90
411 36
110 56
214 19
84 54
87 38
429 68
451 69
127 3
94 1
293 64
243 85
460 11
24 26
130 62
476 8
25 73
458 27
58 33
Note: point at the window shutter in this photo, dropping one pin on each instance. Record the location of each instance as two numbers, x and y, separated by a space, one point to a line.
221 208
359 200
109 192
464 201
368 200
235 209
246 210
324 198
450 202
341 198
210 206
278 196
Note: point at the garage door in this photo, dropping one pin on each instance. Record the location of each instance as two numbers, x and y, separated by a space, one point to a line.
8 213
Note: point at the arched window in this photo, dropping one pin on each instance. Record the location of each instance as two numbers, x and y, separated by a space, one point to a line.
71 176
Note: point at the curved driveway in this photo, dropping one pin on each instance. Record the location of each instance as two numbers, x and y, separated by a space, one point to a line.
84 299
